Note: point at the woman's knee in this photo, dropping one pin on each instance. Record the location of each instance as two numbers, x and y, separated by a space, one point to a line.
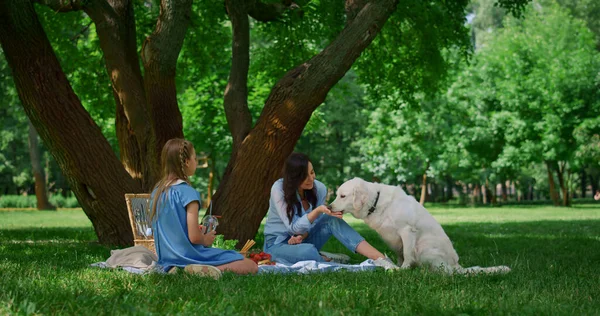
293 253
338 224
308 252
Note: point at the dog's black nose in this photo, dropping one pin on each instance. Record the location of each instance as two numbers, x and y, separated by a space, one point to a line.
329 207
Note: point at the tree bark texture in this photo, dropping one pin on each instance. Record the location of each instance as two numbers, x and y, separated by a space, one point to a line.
553 193
504 191
159 56
593 183
94 173
243 195
424 185
450 184
583 184
564 188
115 25
235 99
41 193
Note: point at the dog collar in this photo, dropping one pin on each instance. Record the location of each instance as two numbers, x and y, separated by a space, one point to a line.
372 209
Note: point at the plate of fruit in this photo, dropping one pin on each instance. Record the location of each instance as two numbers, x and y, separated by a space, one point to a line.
261 258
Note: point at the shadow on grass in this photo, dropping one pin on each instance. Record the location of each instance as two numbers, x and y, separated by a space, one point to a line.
540 242
585 203
48 233
54 273
537 243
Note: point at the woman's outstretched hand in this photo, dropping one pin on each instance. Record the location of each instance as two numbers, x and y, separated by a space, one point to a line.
325 210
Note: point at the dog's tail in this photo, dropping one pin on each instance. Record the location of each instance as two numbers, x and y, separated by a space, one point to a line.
482 270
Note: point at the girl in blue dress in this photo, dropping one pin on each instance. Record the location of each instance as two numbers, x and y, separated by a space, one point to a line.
299 224
179 240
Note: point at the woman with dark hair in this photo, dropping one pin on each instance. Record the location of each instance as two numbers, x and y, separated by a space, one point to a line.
299 224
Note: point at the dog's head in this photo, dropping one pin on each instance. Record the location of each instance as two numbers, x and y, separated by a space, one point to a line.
351 197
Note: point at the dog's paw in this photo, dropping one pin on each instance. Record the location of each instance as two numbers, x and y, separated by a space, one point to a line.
407 265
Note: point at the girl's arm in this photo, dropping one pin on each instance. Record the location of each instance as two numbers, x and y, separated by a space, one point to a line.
195 234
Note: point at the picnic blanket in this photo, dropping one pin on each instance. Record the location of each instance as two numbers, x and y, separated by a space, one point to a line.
139 260
311 266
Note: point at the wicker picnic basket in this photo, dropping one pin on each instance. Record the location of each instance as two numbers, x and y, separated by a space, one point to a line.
138 207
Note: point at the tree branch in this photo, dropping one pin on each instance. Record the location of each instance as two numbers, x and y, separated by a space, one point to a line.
63 5
305 87
266 12
83 30
258 160
236 93
115 25
352 8
159 56
162 47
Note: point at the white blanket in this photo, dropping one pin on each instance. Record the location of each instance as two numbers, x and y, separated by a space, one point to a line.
302 267
311 266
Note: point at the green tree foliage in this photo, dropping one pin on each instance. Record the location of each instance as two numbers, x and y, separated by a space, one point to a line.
533 84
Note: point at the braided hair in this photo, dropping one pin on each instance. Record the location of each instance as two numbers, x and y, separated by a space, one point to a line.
174 158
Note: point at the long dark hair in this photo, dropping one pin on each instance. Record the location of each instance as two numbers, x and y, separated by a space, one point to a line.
295 172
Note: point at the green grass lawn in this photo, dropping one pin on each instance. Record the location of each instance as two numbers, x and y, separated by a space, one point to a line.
554 254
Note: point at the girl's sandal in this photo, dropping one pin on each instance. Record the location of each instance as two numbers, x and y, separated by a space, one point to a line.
203 270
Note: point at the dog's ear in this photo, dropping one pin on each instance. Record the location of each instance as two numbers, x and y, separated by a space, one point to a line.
359 195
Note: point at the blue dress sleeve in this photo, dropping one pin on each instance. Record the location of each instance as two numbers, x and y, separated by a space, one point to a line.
187 195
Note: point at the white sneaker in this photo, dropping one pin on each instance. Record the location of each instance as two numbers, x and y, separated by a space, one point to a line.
385 263
203 270
336 257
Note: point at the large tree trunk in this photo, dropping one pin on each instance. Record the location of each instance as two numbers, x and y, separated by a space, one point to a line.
424 185
115 25
464 192
477 194
94 173
450 184
531 192
582 178
140 101
553 193
41 193
423 189
243 195
484 192
593 183
235 99
211 179
159 55
563 184
435 192
504 191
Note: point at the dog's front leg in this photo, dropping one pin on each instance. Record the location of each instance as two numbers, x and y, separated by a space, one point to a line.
400 254
409 238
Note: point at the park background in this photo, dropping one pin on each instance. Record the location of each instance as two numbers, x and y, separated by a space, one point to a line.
488 112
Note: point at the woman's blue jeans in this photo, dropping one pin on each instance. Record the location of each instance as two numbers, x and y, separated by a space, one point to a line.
325 227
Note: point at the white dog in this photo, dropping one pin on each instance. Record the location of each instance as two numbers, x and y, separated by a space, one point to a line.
404 224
